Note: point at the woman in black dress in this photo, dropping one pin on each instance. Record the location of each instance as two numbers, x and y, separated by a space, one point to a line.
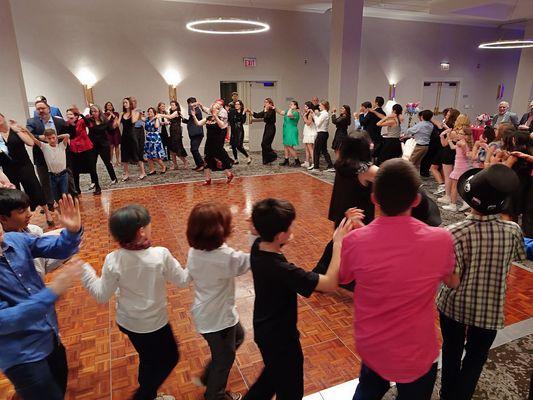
99 128
237 119
18 167
215 157
175 141
81 152
129 149
268 115
164 123
342 122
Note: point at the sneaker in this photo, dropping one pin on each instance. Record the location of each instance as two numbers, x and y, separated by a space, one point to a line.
91 187
305 164
444 200
464 207
440 189
311 167
162 396
450 207
114 182
232 396
330 169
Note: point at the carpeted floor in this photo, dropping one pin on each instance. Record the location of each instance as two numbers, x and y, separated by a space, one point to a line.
506 376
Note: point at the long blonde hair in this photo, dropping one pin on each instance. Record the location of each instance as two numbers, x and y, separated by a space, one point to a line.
462 125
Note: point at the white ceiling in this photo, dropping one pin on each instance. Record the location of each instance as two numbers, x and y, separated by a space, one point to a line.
475 12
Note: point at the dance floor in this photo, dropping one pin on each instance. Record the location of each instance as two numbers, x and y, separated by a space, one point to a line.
102 362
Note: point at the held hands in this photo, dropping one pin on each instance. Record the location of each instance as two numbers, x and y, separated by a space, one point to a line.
356 215
342 230
69 210
70 272
15 126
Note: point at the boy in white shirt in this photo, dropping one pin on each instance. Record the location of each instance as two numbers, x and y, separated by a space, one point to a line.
138 273
213 266
54 151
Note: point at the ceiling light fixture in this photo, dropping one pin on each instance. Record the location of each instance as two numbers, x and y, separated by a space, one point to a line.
507 44
249 26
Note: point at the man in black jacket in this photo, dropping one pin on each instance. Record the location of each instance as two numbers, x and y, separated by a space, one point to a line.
37 126
369 116
196 133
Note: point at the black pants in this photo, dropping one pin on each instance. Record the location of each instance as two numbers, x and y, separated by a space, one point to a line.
237 141
322 265
321 147
44 179
158 355
373 387
24 174
102 149
459 380
283 374
223 345
196 141
268 154
44 379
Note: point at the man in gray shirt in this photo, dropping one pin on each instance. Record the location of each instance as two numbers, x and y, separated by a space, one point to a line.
504 116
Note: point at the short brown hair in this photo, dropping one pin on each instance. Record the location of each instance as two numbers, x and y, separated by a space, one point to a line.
49 132
325 103
209 225
396 186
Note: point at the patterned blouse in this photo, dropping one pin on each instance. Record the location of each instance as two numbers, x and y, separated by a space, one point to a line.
485 246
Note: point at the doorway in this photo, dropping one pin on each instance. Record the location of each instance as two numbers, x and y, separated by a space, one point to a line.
438 95
252 94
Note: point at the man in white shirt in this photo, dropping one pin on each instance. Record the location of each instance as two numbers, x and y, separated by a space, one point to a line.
321 119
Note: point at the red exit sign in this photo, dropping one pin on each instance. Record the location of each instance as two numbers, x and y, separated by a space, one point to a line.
250 62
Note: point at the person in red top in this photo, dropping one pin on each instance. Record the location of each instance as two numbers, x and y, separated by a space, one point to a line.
397 276
81 150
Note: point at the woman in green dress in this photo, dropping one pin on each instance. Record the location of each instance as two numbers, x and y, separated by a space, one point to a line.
290 133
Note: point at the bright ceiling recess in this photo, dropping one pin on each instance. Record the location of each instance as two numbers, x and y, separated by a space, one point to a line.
215 26
507 44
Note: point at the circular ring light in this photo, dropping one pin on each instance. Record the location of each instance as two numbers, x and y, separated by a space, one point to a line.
249 26
507 44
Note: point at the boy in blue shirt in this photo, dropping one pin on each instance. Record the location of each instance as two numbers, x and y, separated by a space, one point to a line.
32 356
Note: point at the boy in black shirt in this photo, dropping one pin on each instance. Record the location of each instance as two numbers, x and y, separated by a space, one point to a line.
277 283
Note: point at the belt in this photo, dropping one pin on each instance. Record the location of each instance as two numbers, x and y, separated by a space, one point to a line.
422 145
59 173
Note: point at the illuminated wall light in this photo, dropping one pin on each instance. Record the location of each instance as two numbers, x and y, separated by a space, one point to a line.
173 78
87 79
392 91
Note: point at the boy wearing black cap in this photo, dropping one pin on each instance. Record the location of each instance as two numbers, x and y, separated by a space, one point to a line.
485 246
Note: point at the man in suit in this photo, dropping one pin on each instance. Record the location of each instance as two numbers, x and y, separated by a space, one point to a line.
504 116
37 126
368 117
526 122
54 111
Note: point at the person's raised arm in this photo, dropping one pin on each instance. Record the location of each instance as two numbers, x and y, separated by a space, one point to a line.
202 122
444 137
387 121
173 272
24 134
280 112
377 113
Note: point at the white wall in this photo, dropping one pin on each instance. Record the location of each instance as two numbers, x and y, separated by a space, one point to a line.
128 44
12 92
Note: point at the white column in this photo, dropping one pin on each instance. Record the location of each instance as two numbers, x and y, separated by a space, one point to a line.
523 88
13 102
345 49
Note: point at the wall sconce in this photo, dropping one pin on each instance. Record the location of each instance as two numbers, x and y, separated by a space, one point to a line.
173 78
392 91
501 89
445 66
87 79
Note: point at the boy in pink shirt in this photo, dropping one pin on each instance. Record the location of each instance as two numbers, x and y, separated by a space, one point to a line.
398 264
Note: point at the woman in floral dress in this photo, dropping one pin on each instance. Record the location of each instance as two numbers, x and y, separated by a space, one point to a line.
153 147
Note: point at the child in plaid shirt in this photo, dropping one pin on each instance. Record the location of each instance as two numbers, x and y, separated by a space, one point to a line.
485 246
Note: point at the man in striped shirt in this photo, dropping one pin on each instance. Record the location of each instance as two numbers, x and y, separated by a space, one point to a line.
485 246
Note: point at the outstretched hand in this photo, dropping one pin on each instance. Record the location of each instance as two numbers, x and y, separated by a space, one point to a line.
342 230
70 272
70 216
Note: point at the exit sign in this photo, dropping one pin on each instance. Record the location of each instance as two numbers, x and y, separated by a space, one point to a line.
250 62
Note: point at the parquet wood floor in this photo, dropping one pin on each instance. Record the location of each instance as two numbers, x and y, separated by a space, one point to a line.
103 364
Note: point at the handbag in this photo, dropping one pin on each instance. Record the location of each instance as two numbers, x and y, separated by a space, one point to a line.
408 148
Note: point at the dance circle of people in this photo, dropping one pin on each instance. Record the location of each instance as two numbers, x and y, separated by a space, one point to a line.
387 246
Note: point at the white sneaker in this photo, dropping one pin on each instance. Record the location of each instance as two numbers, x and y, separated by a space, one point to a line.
444 200
162 396
311 167
304 164
330 170
464 207
440 189
450 207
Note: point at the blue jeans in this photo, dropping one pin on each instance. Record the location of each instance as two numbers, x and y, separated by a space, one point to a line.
59 184
44 379
373 387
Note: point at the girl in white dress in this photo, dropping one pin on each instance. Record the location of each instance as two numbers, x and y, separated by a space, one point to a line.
309 134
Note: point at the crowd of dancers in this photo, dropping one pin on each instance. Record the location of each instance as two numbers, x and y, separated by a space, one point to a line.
377 204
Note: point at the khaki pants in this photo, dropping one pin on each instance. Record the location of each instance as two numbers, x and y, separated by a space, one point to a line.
417 155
